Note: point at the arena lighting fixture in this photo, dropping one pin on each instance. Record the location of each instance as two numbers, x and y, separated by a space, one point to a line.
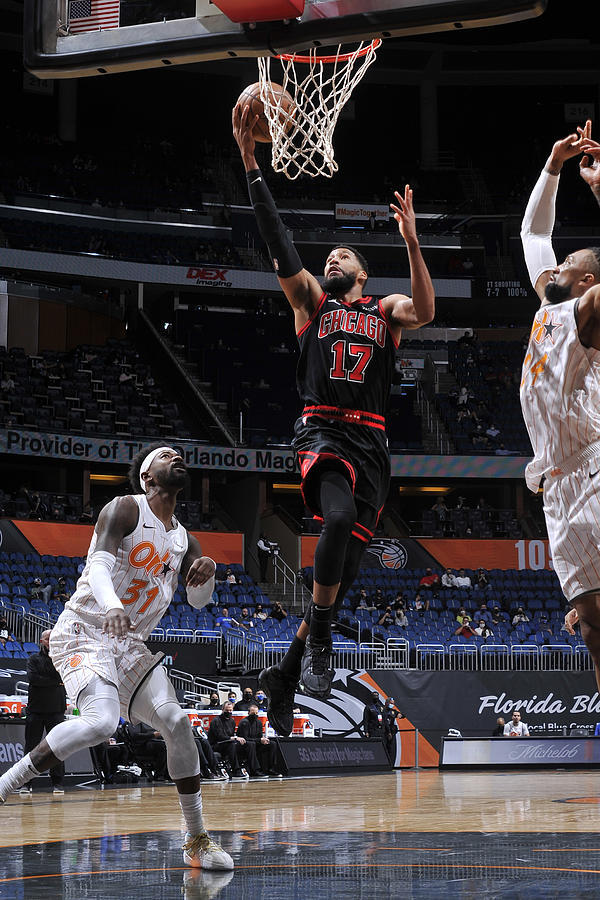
424 490
108 479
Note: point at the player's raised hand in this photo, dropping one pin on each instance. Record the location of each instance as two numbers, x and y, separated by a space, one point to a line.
243 122
404 214
200 571
117 623
571 619
568 147
589 166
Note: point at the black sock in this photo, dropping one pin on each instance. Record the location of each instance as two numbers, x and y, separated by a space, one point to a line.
320 623
290 664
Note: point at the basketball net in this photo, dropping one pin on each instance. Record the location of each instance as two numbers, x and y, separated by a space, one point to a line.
302 139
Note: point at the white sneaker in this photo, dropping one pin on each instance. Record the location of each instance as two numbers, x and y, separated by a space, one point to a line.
26 789
200 851
58 790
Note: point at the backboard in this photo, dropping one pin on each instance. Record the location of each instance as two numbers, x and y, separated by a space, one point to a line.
72 38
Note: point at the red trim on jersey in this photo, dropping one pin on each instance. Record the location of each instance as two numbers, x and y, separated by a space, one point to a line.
353 303
389 327
360 537
322 299
350 416
306 466
366 530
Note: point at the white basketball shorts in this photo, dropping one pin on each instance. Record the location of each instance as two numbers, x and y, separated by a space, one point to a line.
80 650
572 510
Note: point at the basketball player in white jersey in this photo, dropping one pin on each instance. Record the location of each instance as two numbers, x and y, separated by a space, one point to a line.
136 554
560 393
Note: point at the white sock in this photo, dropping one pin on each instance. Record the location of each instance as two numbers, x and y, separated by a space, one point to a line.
191 807
17 775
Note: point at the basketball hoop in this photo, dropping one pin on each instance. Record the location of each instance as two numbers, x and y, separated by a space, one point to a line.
303 138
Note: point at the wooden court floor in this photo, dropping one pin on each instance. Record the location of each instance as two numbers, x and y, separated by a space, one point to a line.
404 834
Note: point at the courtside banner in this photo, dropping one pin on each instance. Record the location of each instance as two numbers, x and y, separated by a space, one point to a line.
431 703
49 445
68 539
441 553
204 275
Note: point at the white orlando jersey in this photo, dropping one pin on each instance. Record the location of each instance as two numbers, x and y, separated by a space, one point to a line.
560 390
144 575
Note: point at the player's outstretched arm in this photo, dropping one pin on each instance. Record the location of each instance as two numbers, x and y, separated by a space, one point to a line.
199 574
411 312
300 287
538 221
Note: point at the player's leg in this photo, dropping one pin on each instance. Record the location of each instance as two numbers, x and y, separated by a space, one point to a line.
57 773
34 731
588 611
280 682
98 705
156 704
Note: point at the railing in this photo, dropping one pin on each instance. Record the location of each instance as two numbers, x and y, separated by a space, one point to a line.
433 422
182 681
285 575
436 656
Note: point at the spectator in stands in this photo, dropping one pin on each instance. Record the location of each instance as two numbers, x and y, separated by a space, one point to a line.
259 749
39 592
265 549
261 700
278 612
482 582
520 616
462 616
492 432
223 740
449 579
372 722
225 621
516 728
399 601
499 729
498 616
483 629
400 618
483 612
378 600
61 594
247 698
363 600
461 503
230 577
149 743
463 580
214 701
386 618
46 705
482 503
245 620
465 629
259 612
544 627
87 513
430 582
420 604
440 509
7 384
4 632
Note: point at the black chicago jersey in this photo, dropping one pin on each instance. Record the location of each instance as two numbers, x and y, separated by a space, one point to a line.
346 356
344 375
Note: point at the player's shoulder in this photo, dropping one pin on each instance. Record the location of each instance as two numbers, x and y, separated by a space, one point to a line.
120 511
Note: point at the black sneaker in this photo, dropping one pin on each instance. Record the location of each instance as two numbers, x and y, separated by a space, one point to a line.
280 690
316 672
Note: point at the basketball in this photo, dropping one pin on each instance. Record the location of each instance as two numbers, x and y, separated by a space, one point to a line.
251 95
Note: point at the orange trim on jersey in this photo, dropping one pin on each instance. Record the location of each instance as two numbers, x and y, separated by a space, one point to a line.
396 342
350 416
322 299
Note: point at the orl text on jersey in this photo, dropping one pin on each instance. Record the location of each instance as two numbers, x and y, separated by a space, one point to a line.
353 321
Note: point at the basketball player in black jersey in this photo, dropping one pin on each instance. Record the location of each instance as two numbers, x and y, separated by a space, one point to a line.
347 348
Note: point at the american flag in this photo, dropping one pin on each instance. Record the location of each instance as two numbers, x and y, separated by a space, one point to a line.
93 15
